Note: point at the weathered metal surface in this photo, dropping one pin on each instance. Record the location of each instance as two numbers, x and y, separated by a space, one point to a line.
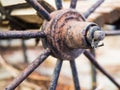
73 4
29 70
112 33
93 72
46 5
75 75
88 34
75 34
40 10
93 61
55 75
68 32
94 36
56 34
21 34
58 4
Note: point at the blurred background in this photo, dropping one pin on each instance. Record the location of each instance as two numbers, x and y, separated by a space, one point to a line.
15 55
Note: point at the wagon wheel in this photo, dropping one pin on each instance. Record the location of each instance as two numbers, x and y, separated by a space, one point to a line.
18 24
66 34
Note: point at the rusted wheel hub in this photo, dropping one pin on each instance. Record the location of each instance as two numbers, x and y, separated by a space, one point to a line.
68 34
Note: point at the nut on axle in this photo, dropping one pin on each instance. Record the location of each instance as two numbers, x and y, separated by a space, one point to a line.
83 35
68 34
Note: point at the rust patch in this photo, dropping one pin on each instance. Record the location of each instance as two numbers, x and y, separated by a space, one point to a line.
66 34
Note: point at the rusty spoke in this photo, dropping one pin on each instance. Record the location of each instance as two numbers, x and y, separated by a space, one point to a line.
55 75
93 8
94 62
75 75
21 34
28 70
93 71
58 4
40 10
73 4
46 5
112 33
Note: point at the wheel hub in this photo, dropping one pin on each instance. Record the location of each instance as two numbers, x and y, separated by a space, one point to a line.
68 34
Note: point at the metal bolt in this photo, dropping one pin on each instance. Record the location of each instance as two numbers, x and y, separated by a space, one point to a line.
99 35
95 35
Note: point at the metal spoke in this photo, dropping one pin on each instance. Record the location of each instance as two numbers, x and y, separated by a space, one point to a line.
112 33
75 75
46 5
40 10
58 4
21 34
93 8
24 47
94 62
73 4
93 72
55 75
28 70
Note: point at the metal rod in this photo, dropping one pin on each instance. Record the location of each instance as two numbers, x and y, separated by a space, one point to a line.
24 47
55 75
58 4
28 70
21 34
46 5
75 75
94 62
93 71
93 8
112 33
73 4
41 11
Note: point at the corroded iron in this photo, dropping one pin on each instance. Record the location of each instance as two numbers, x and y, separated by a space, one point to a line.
55 33
95 63
22 34
68 34
73 3
55 75
75 75
40 10
112 33
58 4
28 70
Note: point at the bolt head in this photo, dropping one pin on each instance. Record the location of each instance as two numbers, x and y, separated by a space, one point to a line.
95 35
